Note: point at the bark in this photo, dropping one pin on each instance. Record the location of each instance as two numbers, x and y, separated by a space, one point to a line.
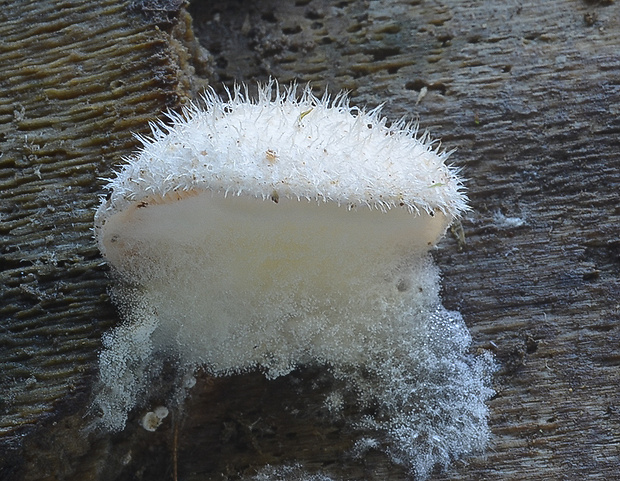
527 92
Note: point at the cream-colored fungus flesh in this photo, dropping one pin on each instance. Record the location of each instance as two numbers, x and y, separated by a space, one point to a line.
289 231
248 238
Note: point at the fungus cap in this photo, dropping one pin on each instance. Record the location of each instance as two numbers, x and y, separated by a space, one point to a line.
286 231
281 170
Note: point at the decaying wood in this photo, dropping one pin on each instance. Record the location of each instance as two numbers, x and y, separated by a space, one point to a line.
529 94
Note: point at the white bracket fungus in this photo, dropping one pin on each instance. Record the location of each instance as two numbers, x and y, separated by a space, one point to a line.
292 230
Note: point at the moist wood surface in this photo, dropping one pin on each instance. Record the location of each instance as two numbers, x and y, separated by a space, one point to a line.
527 92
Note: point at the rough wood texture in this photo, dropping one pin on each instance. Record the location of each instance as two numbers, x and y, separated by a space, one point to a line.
528 92
77 78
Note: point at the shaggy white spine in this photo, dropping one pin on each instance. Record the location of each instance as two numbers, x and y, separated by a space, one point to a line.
340 142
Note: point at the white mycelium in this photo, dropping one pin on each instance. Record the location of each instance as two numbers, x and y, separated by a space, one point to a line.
289 231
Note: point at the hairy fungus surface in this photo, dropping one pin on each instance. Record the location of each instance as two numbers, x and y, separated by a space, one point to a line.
292 230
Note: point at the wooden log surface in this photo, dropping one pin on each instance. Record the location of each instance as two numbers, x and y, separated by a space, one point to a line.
527 92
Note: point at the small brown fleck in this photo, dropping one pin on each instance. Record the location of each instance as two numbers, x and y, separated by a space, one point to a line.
271 156
589 18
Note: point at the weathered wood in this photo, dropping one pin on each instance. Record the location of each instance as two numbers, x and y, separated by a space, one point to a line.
527 92
77 78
